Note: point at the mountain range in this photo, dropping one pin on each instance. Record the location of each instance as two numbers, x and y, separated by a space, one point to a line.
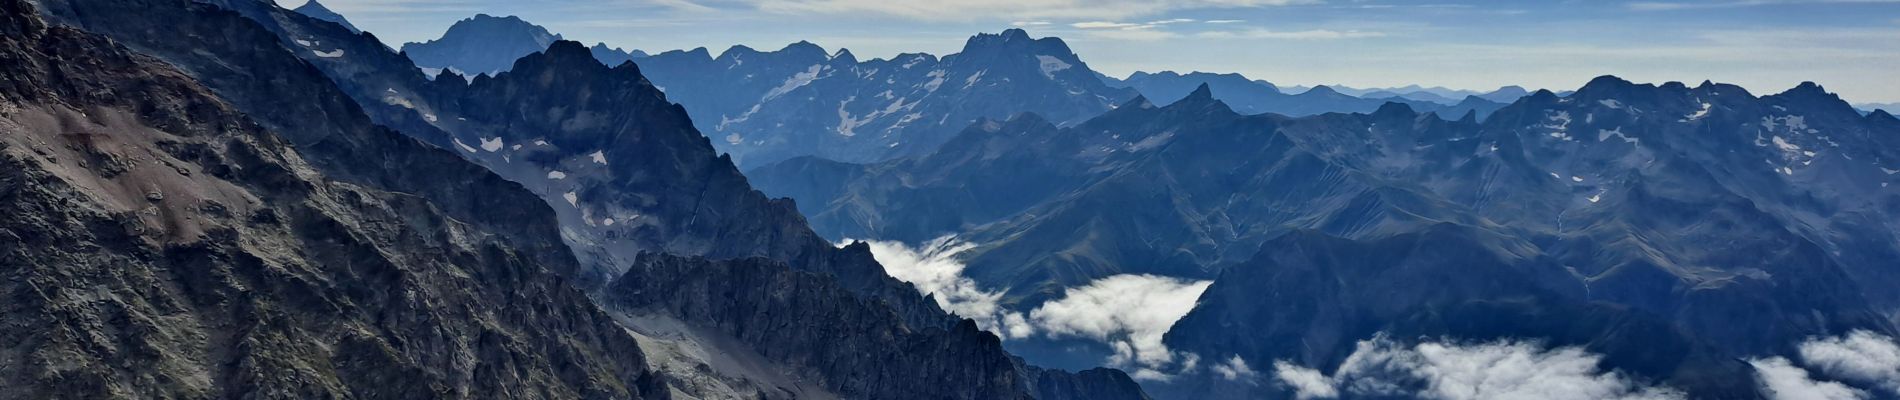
505 213
1259 97
1730 225
801 100
540 251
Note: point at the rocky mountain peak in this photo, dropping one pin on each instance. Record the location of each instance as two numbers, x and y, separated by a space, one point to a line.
316 10
1016 42
483 43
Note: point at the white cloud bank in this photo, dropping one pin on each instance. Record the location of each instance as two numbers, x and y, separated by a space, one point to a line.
1865 359
1454 371
1861 357
935 271
1781 380
1129 313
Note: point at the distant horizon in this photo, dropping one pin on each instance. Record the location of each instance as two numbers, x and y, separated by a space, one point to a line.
1476 46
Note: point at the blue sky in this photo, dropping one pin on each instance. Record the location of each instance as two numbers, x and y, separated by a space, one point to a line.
1850 46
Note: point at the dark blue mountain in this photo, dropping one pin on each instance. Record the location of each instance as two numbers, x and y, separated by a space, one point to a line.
1672 229
482 44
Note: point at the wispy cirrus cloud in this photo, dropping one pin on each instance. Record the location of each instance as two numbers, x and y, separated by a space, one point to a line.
1673 6
972 10
1310 34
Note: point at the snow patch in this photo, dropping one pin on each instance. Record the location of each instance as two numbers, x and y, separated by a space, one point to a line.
492 145
1050 65
1605 134
328 54
1699 114
557 175
935 81
572 199
458 143
796 81
599 158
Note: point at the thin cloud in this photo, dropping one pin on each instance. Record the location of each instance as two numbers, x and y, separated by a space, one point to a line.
1235 369
1306 383
1380 367
1675 6
1312 34
1225 21
1781 380
972 10
1109 25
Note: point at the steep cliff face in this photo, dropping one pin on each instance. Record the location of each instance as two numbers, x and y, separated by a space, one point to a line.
163 244
861 350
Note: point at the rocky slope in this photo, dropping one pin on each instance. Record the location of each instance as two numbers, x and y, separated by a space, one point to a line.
169 246
758 301
633 177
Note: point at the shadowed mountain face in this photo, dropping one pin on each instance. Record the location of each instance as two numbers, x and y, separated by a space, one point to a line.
1259 97
625 173
1732 224
163 244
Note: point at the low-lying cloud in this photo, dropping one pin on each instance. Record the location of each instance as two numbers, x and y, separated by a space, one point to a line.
935 271
1129 312
1380 367
1782 380
1845 367
1862 357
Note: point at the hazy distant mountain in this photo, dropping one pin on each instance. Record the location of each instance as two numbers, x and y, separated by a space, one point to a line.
483 44
614 56
318 11
1435 94
1870 107
766 106
1256 96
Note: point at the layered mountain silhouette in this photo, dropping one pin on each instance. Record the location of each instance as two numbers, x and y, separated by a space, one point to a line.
1731 224
597 193
1259 97
763 107
482 44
